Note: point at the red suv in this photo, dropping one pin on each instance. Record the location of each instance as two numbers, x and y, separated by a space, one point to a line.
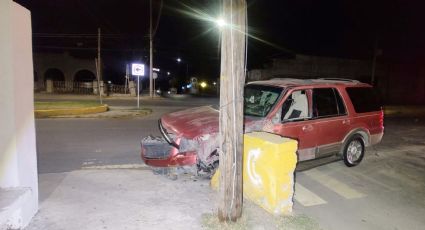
327 116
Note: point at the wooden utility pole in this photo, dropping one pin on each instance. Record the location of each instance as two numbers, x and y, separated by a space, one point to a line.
232 80
98 82
375 54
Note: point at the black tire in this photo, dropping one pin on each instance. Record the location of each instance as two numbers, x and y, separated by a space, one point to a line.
354 151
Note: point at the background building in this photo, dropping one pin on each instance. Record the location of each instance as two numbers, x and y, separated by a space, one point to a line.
397 82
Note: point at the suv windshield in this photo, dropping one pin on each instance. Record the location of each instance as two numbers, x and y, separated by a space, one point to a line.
259 99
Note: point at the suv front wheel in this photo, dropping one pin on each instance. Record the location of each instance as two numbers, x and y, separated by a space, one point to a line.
354 151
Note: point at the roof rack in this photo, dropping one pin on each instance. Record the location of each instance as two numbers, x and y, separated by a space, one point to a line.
292 79
339 79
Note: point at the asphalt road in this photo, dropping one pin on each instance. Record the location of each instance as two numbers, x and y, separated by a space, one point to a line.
386 191
69 144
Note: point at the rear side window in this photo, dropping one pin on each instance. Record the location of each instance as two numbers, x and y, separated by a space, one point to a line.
327 102
364 99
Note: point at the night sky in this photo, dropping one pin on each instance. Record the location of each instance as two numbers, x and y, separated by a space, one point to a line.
328 28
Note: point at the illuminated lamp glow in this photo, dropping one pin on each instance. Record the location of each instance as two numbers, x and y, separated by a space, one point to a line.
220 22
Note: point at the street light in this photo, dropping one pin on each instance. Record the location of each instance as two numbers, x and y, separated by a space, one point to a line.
220 22
179 60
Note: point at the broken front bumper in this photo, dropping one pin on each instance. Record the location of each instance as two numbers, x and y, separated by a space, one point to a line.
158 153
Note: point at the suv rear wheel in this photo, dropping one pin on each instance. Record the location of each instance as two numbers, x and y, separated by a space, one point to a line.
353 151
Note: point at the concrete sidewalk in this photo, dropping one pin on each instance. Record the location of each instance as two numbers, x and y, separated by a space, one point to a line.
121 199
136 198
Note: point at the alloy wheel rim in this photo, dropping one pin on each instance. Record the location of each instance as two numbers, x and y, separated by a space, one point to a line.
354 151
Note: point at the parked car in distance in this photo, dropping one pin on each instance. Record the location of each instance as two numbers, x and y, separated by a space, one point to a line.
327 116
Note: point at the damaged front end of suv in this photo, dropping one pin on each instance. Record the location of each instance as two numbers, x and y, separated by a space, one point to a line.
191 137
188 138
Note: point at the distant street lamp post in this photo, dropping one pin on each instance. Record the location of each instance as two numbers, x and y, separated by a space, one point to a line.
376 52
150 51
152 32
179 60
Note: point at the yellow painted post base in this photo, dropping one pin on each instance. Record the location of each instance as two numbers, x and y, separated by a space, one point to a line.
268 171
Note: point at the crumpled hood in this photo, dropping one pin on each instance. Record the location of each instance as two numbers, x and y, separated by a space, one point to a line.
196 122
193 122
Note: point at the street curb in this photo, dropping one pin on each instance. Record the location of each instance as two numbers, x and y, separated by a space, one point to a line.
44 113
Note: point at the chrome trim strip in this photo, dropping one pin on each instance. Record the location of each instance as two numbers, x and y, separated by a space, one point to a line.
166 137
328 149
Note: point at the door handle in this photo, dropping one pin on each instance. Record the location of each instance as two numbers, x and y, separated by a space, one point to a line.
346 122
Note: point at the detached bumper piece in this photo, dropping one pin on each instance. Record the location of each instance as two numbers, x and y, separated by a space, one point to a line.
156 147
157 152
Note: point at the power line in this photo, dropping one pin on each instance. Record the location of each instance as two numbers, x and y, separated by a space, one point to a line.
168 52
59 35
84 48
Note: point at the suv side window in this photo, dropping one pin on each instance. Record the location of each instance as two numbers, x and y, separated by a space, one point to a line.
327 102
364 99
296 106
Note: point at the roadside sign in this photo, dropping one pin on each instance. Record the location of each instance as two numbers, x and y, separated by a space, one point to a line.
138 69
154 75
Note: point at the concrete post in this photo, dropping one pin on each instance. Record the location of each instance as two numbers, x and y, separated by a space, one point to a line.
102 88
132 88
269 163
95 88
18 158
49 86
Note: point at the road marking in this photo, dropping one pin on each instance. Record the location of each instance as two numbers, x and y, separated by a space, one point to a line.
123 166
363 175
333 184
375 181
400 178
307 197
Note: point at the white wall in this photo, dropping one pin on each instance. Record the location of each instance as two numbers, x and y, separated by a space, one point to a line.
18 159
